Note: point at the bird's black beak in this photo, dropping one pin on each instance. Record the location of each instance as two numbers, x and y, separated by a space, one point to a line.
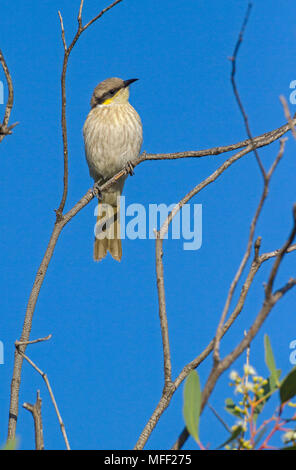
128 82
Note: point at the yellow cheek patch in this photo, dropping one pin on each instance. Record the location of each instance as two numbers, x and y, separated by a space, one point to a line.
109 100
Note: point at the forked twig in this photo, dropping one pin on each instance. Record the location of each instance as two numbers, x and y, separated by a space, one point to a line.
67 52
45 378
37 416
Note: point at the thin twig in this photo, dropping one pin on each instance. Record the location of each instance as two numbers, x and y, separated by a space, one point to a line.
79 18
234 86
63 31
246 378
34 341
101 14
225 425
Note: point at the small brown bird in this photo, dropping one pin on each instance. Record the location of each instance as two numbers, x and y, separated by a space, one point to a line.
113 138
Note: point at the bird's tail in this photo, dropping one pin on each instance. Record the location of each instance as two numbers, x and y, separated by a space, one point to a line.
107 231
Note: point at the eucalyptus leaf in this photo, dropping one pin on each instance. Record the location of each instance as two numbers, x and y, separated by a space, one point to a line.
288 386
269 359
192 404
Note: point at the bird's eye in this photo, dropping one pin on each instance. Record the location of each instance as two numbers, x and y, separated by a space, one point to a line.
112 92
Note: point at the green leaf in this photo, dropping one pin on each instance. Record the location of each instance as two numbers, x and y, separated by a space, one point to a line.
236 433
192 404
269 359
275 381
230 407
288 386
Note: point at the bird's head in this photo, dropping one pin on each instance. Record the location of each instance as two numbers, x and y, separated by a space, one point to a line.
111 91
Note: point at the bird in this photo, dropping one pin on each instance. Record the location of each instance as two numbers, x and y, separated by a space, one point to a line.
113 136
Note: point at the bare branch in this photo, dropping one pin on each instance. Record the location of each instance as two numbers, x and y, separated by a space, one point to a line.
272 254
38 427
162 312
4 129
288 115
45 378
258 142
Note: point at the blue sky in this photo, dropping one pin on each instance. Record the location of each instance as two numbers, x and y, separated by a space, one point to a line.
105 357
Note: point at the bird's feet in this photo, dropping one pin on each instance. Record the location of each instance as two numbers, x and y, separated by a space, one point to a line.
129 167
97 191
